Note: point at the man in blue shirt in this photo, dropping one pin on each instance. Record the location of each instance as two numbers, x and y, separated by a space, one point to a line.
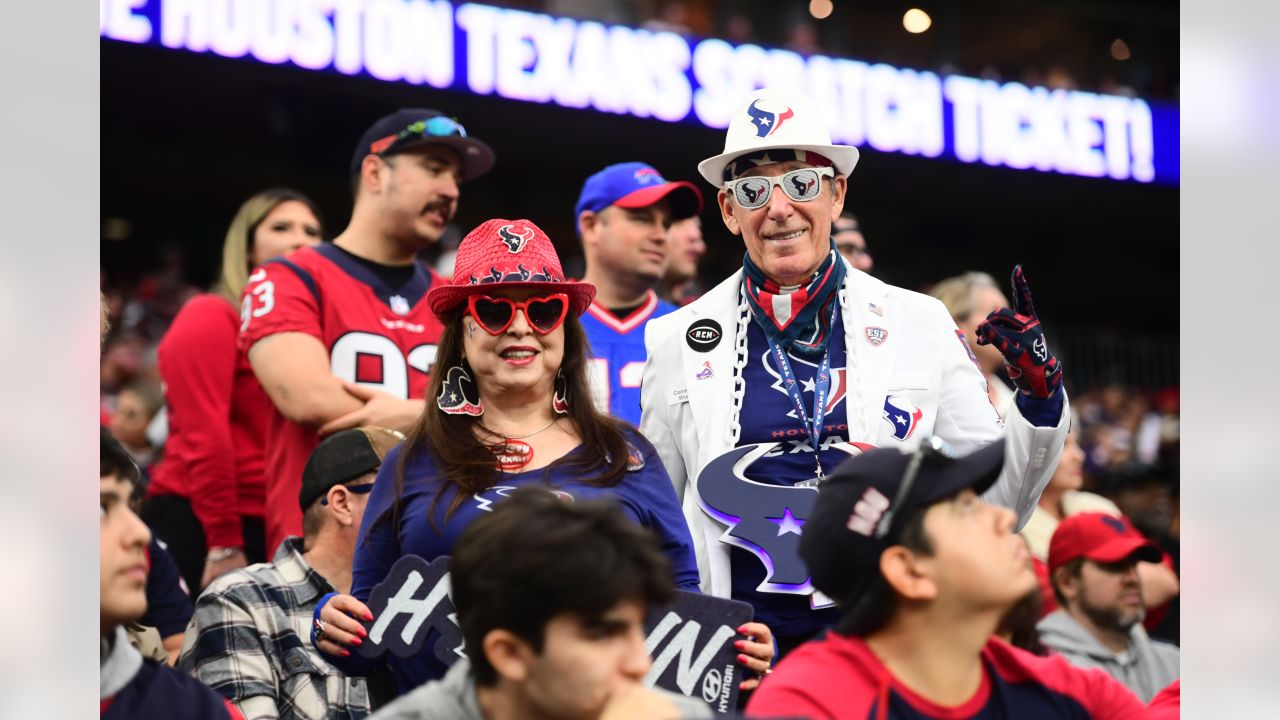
623 214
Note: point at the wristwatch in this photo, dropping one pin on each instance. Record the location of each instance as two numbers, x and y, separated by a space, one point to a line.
218 554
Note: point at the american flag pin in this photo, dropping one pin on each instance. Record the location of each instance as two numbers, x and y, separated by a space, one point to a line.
875 309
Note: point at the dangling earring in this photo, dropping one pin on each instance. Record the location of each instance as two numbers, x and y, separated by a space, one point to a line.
459 394
560 398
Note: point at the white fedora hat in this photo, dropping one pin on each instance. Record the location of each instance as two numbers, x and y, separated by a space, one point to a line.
773 118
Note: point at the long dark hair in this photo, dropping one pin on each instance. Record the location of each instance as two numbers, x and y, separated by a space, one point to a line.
468 464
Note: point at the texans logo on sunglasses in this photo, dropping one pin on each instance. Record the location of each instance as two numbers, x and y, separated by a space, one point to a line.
801 185
495 315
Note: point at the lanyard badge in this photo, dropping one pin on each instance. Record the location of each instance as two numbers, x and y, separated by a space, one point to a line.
821 389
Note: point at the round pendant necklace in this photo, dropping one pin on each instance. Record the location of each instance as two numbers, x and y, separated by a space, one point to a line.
515 454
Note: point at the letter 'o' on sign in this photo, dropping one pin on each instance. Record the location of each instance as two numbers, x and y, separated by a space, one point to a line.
703 335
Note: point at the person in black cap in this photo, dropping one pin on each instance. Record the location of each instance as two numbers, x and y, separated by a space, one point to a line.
922 571
340 335
250 636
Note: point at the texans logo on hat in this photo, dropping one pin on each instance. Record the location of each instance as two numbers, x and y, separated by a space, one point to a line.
485 264
766 122
515 238
781 120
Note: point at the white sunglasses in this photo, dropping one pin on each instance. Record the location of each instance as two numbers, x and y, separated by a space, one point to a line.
801 185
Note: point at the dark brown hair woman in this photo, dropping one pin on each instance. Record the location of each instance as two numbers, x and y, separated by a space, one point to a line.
513 409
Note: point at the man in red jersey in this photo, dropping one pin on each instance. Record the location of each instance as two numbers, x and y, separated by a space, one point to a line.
340 335
923 570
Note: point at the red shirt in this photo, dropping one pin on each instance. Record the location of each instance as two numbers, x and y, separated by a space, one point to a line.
376 336
839 677
217 419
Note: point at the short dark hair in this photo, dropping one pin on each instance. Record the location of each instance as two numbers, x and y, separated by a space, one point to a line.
536 557
874 609
1072 567
116 460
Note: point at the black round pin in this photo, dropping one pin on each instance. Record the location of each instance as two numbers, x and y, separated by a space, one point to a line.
703 335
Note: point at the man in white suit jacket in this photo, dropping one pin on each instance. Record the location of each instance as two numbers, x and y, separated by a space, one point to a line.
749 413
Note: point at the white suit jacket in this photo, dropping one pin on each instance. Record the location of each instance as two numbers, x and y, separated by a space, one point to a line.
921 355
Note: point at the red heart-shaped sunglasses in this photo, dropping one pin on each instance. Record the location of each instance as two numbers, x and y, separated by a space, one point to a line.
495 315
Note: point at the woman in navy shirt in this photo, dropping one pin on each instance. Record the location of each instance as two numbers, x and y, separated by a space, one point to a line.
513 409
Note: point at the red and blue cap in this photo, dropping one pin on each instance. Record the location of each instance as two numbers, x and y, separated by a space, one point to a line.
637 185
1100 537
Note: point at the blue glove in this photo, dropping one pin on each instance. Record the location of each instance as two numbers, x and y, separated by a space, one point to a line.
1017 334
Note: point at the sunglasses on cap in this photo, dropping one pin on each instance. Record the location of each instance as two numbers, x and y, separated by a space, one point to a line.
495 315
801 185
931 448
438 126
354 489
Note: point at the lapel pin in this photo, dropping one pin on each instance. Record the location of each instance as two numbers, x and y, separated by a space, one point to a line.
705 372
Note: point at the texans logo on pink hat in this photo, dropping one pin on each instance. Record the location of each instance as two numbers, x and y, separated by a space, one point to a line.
485 264
515 238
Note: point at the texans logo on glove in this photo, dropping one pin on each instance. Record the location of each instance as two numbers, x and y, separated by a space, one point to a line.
1017 334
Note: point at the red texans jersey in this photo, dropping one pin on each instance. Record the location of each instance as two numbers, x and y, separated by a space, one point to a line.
840 678
377 336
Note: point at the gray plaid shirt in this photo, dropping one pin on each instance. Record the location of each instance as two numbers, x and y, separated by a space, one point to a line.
250 640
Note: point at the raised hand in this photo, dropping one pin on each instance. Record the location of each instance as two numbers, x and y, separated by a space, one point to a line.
1017 334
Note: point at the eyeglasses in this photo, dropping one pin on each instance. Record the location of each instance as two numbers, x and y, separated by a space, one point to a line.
356 489
801 185
495 315
932 448
438 126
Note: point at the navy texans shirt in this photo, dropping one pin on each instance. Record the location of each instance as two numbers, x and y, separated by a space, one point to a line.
772 418
645 495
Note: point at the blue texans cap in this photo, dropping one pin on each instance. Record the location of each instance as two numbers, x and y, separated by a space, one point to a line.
637 185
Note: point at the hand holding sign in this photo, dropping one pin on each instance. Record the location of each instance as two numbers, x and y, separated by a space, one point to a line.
757 652
695 651
337 628
1017 334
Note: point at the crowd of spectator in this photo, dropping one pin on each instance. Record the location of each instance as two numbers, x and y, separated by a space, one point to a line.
272 450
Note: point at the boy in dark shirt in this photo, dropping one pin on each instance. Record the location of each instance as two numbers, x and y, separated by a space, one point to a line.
131 686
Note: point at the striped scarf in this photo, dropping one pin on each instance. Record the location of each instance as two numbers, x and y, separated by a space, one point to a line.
797 320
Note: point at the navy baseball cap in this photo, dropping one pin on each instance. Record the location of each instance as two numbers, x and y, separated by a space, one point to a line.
860 511
412 127
637 185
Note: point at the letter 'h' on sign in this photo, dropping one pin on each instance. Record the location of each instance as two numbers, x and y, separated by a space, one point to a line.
415 594
404 603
